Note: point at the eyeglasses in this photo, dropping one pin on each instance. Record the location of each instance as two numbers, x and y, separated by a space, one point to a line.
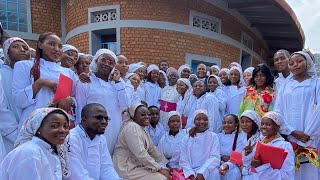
100 118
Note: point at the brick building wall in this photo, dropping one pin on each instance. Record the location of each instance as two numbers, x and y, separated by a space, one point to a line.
150 45
153 45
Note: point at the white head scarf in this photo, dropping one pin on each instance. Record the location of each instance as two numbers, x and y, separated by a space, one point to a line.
172 70
226 70
217 78
235 64
30 128
181 68
253 116
164 74
241 82
170 114
134 67
6 46
1 53
186 82
128 75
249 70
67 47
216 67
200 111
277 118
93 65
311 69
129 113
152 67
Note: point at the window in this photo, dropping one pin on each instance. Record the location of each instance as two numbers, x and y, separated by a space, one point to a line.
13 15
104 14
204 21
109 15
247 40
109 42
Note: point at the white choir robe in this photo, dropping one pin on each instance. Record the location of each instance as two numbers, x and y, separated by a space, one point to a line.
265 171
201 155
226 143
168 94
155 133
169 146
141 91
114 99
280 81
34 160
299 104
153 92
222 99
183 107
209 103
234 97
8 119
133 95
22 85
89 159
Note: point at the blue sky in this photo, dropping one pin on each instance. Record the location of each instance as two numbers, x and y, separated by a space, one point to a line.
308 13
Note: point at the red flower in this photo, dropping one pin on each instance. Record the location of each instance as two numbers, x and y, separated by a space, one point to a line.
263 108
267 98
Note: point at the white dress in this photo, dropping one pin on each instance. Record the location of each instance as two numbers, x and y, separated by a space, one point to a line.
10 114
33 160
153 92
112 96
155 133
183 107
89 159
141 91
169 95
265 171
234 97
222 99
209 103
299 104
22 85
133 95
281 80
201 154
226 143
169 146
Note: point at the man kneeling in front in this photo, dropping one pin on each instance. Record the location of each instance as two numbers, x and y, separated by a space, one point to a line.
89 158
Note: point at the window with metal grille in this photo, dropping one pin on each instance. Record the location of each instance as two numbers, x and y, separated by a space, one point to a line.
14 15
204 21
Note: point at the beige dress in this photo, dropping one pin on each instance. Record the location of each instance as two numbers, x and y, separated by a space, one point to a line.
135 156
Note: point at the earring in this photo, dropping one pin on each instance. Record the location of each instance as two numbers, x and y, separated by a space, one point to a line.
38 132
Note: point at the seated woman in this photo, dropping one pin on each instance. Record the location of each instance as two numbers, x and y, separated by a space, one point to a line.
231 139
170 142
135 156
271 124
39 152
200 152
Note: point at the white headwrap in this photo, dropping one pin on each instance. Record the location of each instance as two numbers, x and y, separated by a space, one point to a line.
181 68
241 82
216 67
1 53
134 67
251 114
93 65
311 69
30 128
170 114
172 70
164 74
235 64
186 82
277 118
152 67
217 78
6 46
128 75
249 70
67 47
129 113
200 111
226 70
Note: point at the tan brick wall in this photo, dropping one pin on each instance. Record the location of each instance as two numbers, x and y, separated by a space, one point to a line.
81 41
32 44
255 62
152 45
176 11
46 16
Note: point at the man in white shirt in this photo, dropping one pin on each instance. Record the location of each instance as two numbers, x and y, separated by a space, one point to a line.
89 157
281 62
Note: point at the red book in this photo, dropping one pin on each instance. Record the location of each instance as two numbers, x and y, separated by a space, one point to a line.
236 157
270 154
64 88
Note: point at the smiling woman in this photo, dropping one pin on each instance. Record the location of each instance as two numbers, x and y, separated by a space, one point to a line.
135 156
39 148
